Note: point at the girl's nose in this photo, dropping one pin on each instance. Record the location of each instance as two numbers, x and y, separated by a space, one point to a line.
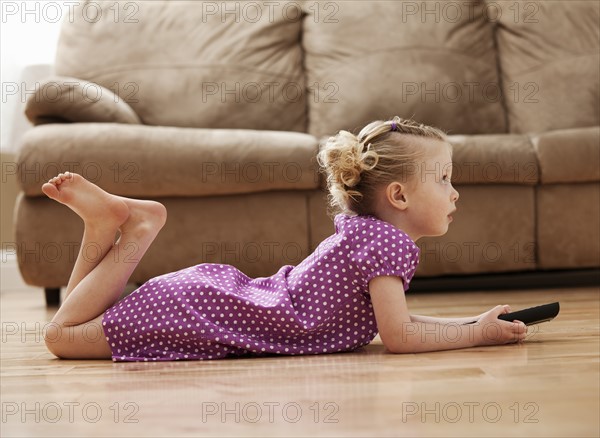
455 194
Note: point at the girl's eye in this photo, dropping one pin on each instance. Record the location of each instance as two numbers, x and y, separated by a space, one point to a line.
446 179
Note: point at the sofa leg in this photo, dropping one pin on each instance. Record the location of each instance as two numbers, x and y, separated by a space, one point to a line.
52 296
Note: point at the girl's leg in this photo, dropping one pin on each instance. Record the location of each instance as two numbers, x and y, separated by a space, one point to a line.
103 284
83 341
102 218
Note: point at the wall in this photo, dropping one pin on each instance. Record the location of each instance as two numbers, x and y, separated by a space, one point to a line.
35 25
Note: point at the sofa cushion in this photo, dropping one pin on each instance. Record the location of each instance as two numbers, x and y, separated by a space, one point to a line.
257 233
494 159
431 61
569 156
192 64
549 54
568 226
64 100
155 161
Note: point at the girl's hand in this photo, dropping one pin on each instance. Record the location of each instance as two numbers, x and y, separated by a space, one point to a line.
494 331
481 315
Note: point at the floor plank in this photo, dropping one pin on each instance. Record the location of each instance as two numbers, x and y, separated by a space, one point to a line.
549 386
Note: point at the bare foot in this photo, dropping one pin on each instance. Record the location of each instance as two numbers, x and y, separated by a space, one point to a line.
145 220
95 206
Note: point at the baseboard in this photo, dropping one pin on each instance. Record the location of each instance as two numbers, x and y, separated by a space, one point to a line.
10 277
511 280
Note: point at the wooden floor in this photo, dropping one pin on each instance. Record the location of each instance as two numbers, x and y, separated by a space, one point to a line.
548 386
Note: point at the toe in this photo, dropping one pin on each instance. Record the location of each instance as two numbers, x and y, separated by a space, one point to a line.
50 190
66 176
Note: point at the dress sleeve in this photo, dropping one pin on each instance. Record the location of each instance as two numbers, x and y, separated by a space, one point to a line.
383 250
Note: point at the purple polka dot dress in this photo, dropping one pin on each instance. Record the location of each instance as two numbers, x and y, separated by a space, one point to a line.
213 311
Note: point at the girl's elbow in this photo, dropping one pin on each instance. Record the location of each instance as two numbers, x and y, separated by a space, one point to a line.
397 339
396 347
399 350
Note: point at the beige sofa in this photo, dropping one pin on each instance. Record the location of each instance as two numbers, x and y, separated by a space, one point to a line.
217 110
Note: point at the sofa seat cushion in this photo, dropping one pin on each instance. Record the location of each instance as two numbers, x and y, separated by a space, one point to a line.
494 159
493 231
569 155
150 161
431 61
194 64
257 233
568 226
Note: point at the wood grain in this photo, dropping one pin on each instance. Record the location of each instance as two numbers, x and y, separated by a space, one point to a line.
548 386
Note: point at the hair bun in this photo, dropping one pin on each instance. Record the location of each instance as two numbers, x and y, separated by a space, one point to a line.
344 158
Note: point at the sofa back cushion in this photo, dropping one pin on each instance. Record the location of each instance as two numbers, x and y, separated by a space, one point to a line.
549 55
191 63
431 61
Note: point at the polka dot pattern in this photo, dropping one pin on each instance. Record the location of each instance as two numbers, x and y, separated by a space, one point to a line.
213 311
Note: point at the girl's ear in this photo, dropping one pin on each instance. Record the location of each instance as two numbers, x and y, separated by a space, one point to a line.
396 195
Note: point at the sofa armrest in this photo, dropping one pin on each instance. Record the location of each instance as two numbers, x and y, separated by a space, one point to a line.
61 99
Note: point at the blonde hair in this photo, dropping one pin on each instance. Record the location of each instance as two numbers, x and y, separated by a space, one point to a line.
381 153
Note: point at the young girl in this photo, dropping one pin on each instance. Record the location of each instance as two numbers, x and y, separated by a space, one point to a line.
391 185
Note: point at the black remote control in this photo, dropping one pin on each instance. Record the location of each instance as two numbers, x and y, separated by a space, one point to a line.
533 315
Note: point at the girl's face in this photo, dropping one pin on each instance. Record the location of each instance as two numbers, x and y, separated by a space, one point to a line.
431 199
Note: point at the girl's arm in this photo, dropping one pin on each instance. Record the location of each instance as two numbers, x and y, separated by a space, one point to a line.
400 334
436 320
